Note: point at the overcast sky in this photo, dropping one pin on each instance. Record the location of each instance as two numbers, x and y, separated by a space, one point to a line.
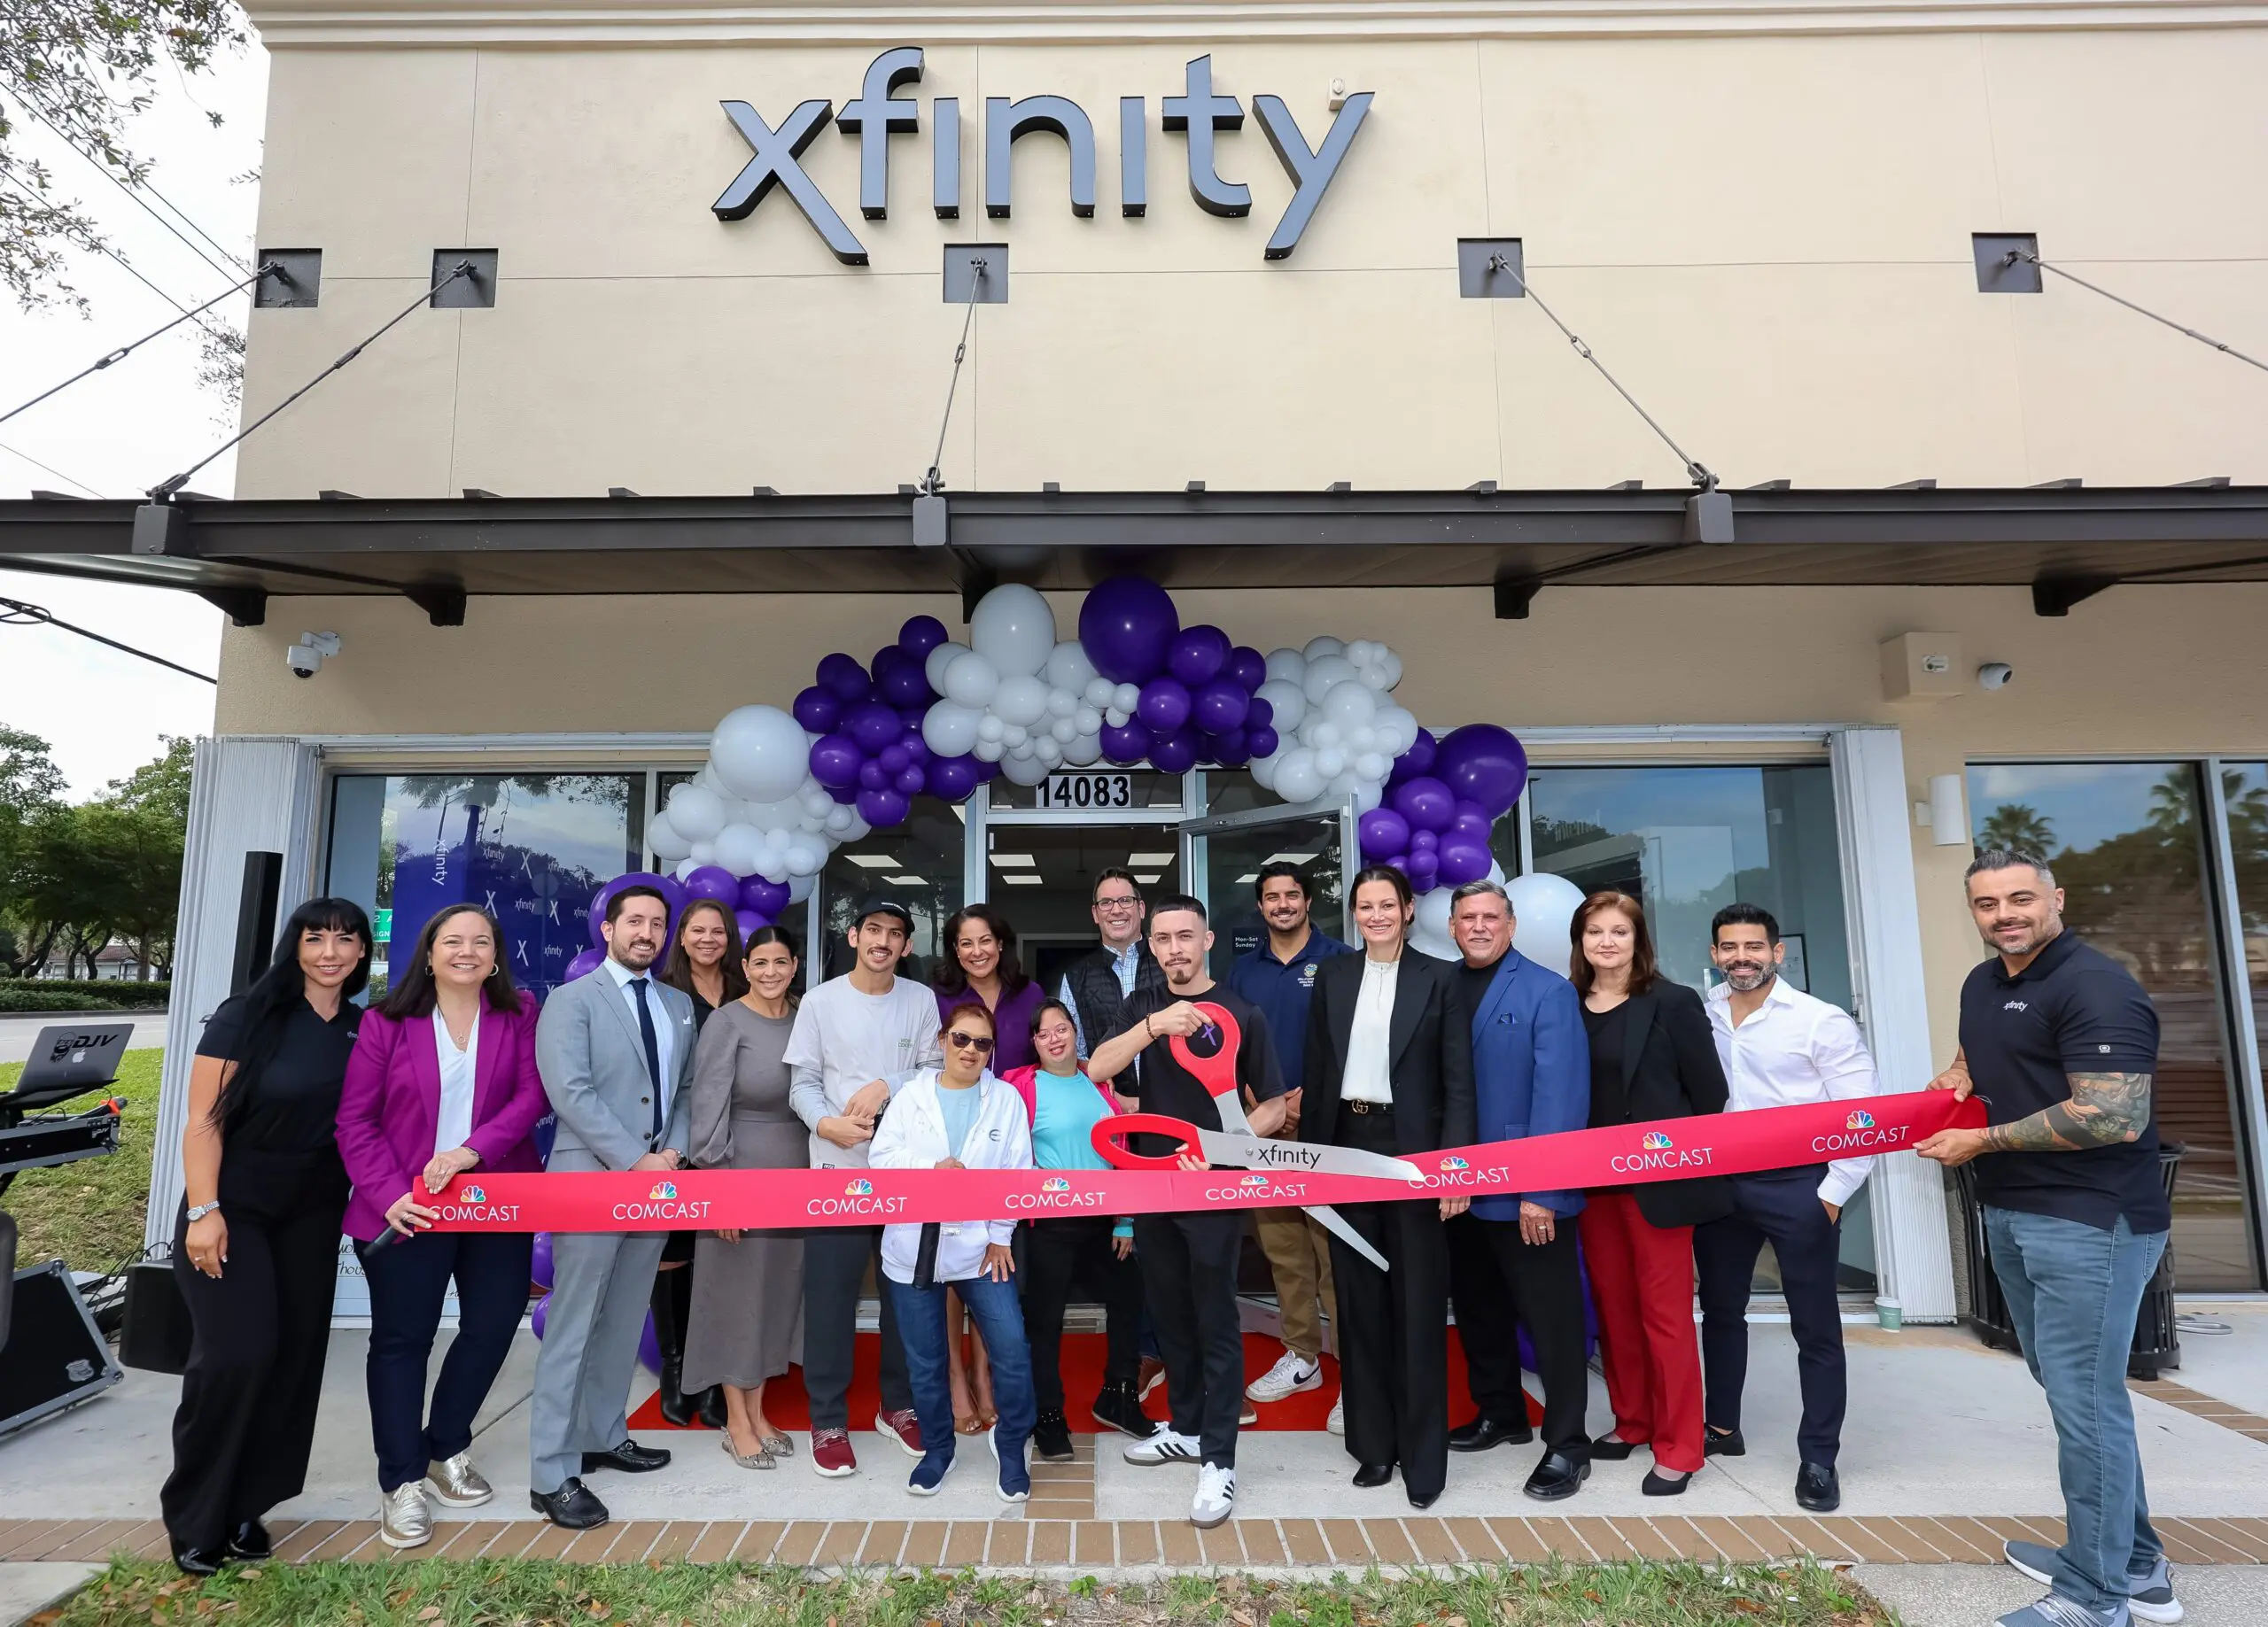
122 431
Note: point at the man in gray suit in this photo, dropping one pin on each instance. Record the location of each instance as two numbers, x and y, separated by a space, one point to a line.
616 1052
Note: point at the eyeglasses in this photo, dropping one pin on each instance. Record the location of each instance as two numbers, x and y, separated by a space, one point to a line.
1131 901
980 1043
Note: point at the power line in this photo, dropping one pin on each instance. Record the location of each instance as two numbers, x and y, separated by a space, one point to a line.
2015 255
48 468
124 351
16 613
105 249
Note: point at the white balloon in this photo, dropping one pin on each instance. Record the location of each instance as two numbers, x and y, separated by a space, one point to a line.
1084 749
1286 666
805 856
1368 795
1020 700
1022 771
799 888
990 729
1288 702
1389 663
1342 784
860 829
1069 668
988 751
1361 652
669 847
1433 916
686 866
1372 766
1014 736
1427 943
696 814
1396 730
1297 777
1063 731
815 799
1117 718
1048 750
1087 720
1322 645
934 664
1350 706
740 848
1374 677
1099 693
1263 769
1061 702
1126 697
838 820
707 779
1318 731
1013 629
949 728
1331 762
760 753
1543 908
1496 872
972 680
1324 673
704 853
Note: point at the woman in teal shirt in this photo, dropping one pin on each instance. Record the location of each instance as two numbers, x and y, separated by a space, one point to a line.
1065 1106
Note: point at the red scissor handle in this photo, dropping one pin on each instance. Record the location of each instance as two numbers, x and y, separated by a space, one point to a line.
1110 1139
1218 1071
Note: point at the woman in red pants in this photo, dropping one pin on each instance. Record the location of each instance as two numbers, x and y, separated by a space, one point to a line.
1652 1057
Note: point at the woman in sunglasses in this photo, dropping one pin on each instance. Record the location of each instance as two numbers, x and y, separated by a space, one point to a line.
960 1116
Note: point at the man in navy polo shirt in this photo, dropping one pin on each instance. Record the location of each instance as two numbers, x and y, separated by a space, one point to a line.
2060 1042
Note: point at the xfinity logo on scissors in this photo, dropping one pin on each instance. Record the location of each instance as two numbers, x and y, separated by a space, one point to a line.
878 114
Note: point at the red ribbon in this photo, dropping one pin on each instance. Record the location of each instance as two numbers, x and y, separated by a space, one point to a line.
1623 1155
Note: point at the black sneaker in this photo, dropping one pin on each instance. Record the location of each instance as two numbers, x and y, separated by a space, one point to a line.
1119 1407
1050 1436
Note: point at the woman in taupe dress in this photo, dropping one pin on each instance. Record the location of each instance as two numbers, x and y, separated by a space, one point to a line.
748 1286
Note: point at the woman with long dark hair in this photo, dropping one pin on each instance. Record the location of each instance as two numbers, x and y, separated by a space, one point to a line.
256 1240
442 1082
705 964
748 1286
1390 1070
1652 1057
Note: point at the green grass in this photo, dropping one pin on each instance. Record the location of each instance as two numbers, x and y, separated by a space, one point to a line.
90 1213
548 1593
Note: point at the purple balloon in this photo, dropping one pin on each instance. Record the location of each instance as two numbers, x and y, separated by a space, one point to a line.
597 915
872 775
1226 748
1463 861
873 725
844 677
1423 841
1424 870
650 1347
911 717
1248 667
748 921
540 1268
539 1315
1126 742
583 964
1384 834
635 878
766 898
834 761
917 750
1417 760
1198 653
1220 705
885 660
920 635
882 808
1164 706
1174 753
1259 713
894 756
714 882
1125 625
1261 741
1425 802
674 895
909 779
818 709
905 686
845 795
952 777
1471 827
1483 763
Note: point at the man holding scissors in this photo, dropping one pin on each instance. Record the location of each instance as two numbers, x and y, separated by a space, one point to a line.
1189 1261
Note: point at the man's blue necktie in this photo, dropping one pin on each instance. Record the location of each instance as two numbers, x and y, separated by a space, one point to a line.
653 1052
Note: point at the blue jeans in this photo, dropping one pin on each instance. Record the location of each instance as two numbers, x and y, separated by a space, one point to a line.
998 1312
2073 1293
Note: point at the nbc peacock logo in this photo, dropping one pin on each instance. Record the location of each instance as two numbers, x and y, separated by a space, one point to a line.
860 1188
1454 1162
662 1192
1654 1140
472 1195
1860 1120
1055 1183
1253 1180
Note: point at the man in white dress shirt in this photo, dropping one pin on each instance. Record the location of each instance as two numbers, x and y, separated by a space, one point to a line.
1780 1047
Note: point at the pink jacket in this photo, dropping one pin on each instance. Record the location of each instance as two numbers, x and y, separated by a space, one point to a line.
390 1110
1025 1082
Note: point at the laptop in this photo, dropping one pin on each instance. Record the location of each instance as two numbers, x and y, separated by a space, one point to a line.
70 1059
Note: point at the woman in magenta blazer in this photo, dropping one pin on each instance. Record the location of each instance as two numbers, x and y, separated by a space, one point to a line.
442 1082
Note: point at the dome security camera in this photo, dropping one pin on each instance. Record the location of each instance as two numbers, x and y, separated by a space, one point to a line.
1995 675
305 658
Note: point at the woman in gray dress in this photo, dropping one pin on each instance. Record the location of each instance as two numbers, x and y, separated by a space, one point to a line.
748 1286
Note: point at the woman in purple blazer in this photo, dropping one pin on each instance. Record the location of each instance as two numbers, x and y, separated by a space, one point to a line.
442 1082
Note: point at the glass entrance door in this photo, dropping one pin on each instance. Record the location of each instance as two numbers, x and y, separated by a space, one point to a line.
1221 857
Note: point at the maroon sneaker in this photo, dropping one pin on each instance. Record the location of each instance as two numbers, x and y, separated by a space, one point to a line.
903 1427
831 1454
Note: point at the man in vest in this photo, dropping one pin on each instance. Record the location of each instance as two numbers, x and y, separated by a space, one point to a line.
1098 983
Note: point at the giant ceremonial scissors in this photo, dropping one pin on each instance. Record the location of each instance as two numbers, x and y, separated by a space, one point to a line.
1236 1143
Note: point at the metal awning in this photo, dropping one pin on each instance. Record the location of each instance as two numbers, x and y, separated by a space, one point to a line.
2064 541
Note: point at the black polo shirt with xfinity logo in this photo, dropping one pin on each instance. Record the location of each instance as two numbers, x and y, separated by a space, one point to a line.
1163 1085
2073 1011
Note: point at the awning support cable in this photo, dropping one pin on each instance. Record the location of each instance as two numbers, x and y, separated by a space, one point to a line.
124 351
934 481
2018 256
16 613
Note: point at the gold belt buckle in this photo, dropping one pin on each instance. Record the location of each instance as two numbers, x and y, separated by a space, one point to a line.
1358 1106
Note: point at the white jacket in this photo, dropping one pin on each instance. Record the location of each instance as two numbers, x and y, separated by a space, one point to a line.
911 1136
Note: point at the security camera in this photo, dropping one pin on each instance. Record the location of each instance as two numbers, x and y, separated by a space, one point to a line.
1995 675
305 658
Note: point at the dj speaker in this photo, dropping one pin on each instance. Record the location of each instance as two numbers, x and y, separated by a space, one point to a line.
7 1273
54 1358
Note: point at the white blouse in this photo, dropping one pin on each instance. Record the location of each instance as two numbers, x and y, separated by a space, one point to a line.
453 1128
1366 1079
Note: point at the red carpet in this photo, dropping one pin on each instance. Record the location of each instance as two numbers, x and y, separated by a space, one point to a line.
784 1403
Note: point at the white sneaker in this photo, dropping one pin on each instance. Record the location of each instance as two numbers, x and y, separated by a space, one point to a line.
1292 1373
1337 1422
1216 1496
404 1521
1164 1445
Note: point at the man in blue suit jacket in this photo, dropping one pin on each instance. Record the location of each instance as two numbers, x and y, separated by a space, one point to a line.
1512 1259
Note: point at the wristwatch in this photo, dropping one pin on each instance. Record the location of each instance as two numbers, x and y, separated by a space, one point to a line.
197 1212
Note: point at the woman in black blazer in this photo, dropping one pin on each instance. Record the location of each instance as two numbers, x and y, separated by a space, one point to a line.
1390 1070
1652 1057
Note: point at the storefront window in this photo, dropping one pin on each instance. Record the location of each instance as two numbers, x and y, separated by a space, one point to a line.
917 864
533 849
2245 785
2128 848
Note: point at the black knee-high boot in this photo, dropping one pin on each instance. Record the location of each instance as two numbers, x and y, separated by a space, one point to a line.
672 1303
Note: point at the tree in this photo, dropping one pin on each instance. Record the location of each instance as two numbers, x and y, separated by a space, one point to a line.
29 779
2017 827
79 877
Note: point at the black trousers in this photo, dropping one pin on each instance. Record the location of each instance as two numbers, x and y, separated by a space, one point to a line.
1499 1284
1189 1279
1392 1332
247 1421
1781 1207
1055 1252
835 1258
409 1280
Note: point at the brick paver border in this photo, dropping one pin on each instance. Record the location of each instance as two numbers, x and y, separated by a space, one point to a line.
2201 1405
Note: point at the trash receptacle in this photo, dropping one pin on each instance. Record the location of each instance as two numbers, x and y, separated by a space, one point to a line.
2157 1344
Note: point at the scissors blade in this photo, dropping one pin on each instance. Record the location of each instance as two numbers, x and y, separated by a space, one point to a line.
1249 1152
1335 1223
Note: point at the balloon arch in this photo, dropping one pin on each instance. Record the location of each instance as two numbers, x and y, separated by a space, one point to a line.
927 715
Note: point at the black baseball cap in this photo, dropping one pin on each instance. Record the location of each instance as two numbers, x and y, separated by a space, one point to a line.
886 906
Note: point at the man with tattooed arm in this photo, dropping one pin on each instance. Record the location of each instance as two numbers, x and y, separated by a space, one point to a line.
2059 1042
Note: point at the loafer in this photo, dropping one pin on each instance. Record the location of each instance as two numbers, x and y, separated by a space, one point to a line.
1559 1475
1611 1448
1657 1484
573 1506
1372 1474
1722 1444
195 1562
629 1457
1482 1433
1817 1488
251 1543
